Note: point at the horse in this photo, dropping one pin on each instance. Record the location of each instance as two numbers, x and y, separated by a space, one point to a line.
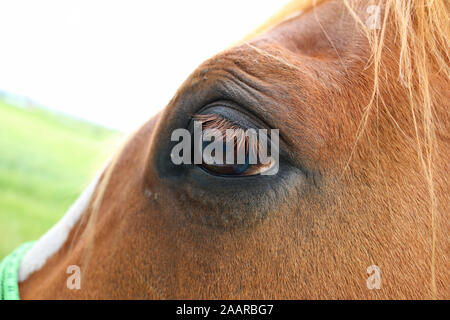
357 210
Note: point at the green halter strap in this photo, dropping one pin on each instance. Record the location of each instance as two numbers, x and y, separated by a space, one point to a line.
9 272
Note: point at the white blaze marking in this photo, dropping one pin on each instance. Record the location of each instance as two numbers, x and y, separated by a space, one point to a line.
53 240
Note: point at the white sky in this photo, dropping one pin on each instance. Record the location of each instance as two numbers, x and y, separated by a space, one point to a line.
115 62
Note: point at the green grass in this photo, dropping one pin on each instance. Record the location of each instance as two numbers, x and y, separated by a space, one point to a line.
46 160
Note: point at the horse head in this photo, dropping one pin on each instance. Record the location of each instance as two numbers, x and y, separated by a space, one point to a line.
358 91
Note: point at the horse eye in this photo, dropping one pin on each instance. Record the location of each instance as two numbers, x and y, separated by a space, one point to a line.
217 164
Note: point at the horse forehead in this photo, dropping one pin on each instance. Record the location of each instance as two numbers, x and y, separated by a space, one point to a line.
325 40
328 29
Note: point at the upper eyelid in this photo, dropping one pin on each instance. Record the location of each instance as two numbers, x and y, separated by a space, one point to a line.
233 113
218 122
217 94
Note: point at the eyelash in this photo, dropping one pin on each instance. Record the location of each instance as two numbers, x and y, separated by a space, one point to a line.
240 141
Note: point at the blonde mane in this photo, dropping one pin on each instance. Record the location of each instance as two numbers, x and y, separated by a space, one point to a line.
422 27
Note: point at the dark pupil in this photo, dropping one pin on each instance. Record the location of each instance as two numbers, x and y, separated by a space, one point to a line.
226 169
